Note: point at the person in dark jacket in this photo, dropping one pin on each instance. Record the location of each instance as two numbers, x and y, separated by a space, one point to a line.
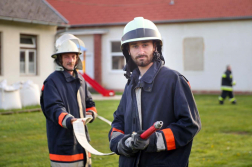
153 93
65 98
227 86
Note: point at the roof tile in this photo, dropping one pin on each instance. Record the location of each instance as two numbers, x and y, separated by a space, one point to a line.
85 12
35 10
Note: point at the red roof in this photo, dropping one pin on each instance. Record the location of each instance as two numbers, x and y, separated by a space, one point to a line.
90 12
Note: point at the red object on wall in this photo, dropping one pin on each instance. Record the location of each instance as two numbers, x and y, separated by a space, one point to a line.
97 86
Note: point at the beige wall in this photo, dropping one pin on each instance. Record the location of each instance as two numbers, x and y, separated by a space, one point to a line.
11 46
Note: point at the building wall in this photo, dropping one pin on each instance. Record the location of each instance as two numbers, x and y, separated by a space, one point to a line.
228 42
111 79
225 43
11 47
89 45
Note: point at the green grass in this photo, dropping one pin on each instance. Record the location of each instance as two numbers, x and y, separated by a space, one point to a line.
225 138
22 109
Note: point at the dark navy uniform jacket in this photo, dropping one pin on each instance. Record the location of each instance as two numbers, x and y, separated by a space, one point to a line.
59 105
227 81
166 96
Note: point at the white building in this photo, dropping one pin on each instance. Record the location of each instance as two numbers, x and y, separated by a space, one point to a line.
27 36
199 38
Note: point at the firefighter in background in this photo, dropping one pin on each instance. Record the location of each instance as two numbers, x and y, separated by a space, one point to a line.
65 98
153 93
227 86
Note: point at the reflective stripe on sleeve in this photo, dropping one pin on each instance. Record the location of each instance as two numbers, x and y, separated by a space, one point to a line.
64 120
66 158
91 108
116 130
61 117
169 138
114 135
160 142
224 76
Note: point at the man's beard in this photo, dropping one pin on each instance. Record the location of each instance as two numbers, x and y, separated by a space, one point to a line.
143 63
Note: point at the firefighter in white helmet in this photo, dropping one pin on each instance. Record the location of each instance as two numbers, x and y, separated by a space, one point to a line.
140 29
67 47
65 98
153 93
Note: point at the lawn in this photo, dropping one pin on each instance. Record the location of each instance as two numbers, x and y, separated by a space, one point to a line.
225 138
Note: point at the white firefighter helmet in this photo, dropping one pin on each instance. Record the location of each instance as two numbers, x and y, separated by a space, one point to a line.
67 47
68 43
140 29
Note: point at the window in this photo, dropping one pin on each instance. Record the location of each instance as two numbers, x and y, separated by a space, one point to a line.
118 61
28 49
193 54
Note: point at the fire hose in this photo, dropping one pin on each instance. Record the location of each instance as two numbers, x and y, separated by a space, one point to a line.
80 133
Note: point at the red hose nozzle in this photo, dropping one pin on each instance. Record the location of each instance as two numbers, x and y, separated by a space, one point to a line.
156 126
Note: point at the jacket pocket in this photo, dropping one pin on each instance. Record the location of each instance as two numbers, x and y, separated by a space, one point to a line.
66 146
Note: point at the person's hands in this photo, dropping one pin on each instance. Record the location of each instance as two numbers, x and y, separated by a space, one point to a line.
93 114
89 113
138 143
74 119
125 150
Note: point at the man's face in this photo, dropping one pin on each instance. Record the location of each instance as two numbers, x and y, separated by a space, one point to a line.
229 68
141 52
69 61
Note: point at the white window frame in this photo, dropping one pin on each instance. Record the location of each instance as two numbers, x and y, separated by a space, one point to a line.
1 48
28 48
27 61
28 45
115 54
